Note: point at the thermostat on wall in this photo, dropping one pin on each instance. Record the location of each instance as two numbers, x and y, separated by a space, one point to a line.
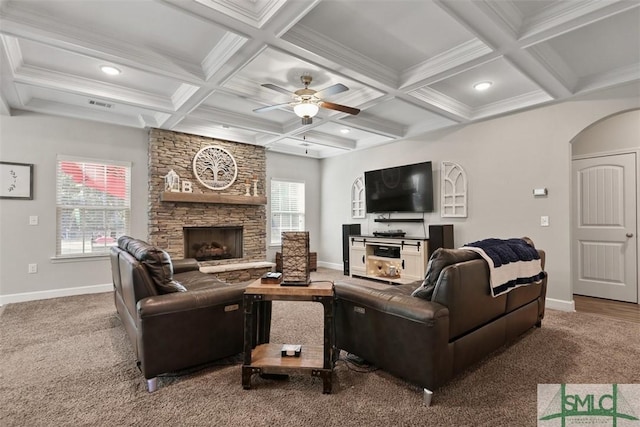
538 192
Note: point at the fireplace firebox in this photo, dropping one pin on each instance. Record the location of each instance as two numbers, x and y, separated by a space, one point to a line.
213 243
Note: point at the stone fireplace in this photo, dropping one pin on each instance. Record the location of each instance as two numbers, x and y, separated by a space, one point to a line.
212 243
170 214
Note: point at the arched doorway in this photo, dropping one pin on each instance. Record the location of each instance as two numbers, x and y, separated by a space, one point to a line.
604 208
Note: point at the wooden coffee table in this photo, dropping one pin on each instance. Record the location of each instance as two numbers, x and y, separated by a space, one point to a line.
263 357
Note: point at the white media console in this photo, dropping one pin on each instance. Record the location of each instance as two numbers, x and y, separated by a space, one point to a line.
392 259
395 259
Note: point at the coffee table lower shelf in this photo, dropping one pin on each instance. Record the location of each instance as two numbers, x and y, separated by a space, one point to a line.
268 359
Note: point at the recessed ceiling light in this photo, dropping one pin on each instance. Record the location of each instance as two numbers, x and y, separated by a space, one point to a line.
108 69
344 130
482 86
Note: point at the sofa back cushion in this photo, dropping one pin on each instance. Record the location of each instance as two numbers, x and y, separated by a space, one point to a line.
440 259
464 289
156 261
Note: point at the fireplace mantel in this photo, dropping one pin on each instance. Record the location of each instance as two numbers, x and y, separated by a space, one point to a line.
168 196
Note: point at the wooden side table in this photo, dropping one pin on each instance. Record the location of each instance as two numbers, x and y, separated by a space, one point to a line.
263 357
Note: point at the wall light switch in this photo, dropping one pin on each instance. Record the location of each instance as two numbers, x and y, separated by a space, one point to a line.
33 220
544 221
33 268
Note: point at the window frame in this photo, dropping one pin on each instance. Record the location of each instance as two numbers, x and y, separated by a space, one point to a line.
103 208
275 239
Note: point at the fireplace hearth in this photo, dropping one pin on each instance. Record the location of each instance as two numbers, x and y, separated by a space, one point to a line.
213 243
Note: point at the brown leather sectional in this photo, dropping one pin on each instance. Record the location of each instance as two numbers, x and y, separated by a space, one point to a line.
429 341
175 316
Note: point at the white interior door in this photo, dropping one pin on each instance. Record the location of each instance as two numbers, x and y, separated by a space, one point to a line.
605 257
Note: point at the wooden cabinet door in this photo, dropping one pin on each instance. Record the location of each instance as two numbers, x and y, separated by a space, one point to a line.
357 259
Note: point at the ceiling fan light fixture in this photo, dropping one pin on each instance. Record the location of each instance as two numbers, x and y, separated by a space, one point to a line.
305 109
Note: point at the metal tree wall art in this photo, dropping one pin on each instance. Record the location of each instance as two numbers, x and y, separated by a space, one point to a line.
215 167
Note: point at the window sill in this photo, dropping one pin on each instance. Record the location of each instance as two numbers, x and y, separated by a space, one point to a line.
78 258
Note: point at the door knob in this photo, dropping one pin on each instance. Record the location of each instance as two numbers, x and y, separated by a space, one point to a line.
629 234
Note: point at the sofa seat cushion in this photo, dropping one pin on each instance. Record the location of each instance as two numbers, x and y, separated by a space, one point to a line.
194 280
440 259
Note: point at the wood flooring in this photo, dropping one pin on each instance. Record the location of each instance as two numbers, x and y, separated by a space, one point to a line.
604 307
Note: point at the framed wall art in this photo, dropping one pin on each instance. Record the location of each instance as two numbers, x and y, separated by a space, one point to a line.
16 181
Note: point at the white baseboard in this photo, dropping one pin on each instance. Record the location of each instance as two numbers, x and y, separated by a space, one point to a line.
331 265
559 304
55 293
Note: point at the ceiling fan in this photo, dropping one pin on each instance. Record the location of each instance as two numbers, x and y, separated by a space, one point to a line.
306 102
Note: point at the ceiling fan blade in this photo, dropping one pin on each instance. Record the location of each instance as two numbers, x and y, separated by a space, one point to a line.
277 89
270 107
331 90
338 107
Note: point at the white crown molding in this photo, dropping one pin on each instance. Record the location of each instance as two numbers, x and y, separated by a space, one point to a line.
255 16
564 16
12 51
228 46
216 115
376 126
309 39
318 138
442 101
435 123
554 64
43 30
67 110
87 87
296 151
247 87
505 13
620 76
512 104
445 62
558 14
197 126
182 95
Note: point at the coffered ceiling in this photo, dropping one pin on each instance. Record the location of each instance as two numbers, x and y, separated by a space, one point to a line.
410 65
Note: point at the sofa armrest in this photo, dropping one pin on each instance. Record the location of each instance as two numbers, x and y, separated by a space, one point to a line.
404 335
404 306
186 264
190 300
184 329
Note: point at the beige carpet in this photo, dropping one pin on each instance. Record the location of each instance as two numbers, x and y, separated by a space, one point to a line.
67 361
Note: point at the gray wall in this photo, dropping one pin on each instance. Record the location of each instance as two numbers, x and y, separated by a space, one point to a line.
296 168
505 159
38 139
620 132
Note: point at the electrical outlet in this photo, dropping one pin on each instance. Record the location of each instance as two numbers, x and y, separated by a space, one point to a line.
33 220
544 221
33 268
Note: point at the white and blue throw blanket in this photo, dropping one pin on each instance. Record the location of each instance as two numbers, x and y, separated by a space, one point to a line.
512 263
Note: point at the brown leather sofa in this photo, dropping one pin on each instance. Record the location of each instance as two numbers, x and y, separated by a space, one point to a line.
175 316
427 341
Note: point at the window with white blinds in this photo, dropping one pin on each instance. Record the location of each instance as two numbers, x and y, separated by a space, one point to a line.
93 205
287 208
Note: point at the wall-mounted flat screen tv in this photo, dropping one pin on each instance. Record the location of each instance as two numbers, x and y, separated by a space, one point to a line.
406 188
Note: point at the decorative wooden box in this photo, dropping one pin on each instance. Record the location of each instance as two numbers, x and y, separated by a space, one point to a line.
295 257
